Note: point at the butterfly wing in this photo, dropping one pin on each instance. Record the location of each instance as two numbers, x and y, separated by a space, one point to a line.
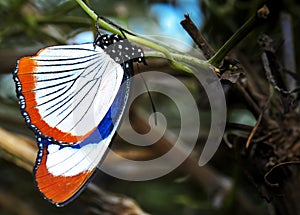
61 172
62 87
72 97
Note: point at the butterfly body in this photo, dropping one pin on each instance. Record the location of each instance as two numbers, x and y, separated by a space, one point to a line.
73 98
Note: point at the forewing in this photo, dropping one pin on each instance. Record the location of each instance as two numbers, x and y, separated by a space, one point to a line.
65 91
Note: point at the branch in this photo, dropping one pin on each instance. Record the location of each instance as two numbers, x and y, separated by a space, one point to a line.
288 49
240 34
196 35
17 149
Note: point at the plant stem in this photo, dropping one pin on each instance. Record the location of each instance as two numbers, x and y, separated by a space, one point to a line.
240 34
114 30
174 58
94 16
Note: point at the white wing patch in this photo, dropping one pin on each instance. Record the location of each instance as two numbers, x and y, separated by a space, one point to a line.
70 161
75 86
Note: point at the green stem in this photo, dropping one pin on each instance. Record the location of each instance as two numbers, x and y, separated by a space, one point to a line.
180 60
114 30
94 16
175 59
240 34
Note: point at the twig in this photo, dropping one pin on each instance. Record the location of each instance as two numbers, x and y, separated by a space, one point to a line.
274 73
288 50
260 117
240 34
272 80
275 167
196 35
271 64
254 129
254 108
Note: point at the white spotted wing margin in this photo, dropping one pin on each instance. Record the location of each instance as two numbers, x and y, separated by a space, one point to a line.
67 90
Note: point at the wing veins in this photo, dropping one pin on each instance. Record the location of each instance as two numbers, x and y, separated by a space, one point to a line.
98 79
50 100
94 56
57 78
88 105
44 59
80 75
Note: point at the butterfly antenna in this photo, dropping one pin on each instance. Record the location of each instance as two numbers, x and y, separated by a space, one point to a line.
122 30
150 97
98 34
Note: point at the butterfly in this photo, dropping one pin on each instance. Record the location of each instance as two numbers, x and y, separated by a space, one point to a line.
73 98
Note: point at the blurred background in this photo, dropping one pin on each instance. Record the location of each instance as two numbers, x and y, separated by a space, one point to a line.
221 187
